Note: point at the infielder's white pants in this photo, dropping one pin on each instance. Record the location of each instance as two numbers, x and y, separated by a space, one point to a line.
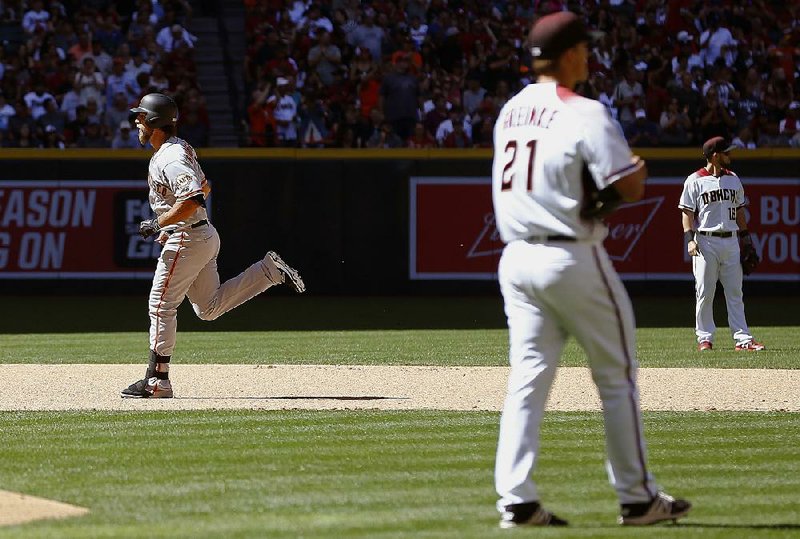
719 261
188 267
552 291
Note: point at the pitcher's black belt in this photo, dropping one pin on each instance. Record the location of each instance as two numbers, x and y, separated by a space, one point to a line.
194 225
545 238
715 234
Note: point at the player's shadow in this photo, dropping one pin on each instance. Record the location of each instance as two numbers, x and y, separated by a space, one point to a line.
782 526
303 397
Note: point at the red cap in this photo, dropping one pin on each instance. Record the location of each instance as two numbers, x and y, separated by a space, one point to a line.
716 145
553 34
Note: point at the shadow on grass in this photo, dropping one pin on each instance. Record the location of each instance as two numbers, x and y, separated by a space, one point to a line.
710 525
97 314
296 397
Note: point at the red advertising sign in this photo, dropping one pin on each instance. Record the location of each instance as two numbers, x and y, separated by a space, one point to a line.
453 235
74 230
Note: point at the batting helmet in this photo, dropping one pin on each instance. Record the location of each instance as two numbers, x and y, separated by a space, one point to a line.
161 110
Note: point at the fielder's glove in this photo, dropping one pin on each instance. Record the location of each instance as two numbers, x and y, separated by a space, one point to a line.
149 228
599 204
749 258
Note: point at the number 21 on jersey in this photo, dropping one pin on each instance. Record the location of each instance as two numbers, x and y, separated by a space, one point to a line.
508 169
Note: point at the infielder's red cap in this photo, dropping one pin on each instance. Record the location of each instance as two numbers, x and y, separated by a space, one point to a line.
716 145
553 34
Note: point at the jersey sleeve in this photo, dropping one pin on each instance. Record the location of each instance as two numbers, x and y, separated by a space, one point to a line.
605 149
183 180
687 201
741 200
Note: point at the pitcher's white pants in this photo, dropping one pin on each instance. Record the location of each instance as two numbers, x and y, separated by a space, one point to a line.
552 291
719 261
188 267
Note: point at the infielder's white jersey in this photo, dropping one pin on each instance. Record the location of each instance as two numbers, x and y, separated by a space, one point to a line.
175 175
714 200
546 138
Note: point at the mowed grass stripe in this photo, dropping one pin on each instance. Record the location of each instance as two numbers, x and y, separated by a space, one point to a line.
382 474
656 347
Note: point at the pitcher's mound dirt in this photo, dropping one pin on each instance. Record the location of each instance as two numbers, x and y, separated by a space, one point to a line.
17 508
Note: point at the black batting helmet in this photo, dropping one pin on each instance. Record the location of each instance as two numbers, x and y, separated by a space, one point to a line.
161 110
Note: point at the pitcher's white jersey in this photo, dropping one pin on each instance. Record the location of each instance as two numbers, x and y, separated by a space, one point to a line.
175 175
545 139
714 200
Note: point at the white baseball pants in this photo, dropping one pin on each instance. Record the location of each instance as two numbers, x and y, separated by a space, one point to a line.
719 261
188 267
552 291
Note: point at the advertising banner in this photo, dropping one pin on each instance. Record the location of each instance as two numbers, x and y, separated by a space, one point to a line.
453 235
74 230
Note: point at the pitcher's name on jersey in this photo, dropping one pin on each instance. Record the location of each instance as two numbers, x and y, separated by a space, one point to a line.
718 195
528 116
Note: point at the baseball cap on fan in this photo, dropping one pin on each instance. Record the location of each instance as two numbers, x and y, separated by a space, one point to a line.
716 145
553 34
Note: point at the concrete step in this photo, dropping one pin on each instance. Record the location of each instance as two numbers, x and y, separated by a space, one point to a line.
204 25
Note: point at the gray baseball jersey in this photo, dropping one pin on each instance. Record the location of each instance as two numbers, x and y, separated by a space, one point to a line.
175 175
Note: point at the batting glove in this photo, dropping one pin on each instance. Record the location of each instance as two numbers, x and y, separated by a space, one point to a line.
149 228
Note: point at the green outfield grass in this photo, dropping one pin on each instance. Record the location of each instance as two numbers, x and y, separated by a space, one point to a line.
382 474
657 347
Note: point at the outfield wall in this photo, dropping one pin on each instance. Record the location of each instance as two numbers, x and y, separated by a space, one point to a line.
354 221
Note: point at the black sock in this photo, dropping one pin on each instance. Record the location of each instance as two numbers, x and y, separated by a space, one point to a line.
153 368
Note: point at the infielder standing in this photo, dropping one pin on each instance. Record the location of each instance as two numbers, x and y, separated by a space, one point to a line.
713 218
557 280
187 266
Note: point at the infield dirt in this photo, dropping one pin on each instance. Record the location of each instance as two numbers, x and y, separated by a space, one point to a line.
318 387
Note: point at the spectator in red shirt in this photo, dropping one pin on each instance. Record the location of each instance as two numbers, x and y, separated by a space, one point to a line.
420 138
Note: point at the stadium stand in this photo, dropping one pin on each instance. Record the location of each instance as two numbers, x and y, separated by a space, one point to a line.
671 73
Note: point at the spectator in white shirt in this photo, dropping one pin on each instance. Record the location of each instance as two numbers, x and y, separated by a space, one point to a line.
36 19
36 100
314 21
285 113
169 38
717 41
6 112
418 32
89 83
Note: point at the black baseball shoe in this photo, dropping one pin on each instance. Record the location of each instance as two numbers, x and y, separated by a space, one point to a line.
528 514
290 274
148 388
662 507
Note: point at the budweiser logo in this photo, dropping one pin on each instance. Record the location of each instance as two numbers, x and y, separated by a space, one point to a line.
488 241
627 225
625 228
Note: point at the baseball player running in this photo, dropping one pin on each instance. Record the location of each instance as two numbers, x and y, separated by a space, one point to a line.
187 266
557 280
713 219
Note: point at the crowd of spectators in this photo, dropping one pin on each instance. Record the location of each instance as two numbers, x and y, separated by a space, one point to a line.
435 73
69 77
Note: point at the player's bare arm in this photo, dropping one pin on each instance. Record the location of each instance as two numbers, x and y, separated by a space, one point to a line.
631 187
741 219
181 211
687 220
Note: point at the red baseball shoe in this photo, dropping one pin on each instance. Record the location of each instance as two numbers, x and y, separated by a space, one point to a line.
750 346
705 345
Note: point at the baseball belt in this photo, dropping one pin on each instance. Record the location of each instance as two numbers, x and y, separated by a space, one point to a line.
194 225
715 234
546 239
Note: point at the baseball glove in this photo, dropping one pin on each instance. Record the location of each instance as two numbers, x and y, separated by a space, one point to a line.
749 258
596 203
599 204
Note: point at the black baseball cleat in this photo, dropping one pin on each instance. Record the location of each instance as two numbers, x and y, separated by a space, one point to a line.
148 388
290 274
528 514
662 507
